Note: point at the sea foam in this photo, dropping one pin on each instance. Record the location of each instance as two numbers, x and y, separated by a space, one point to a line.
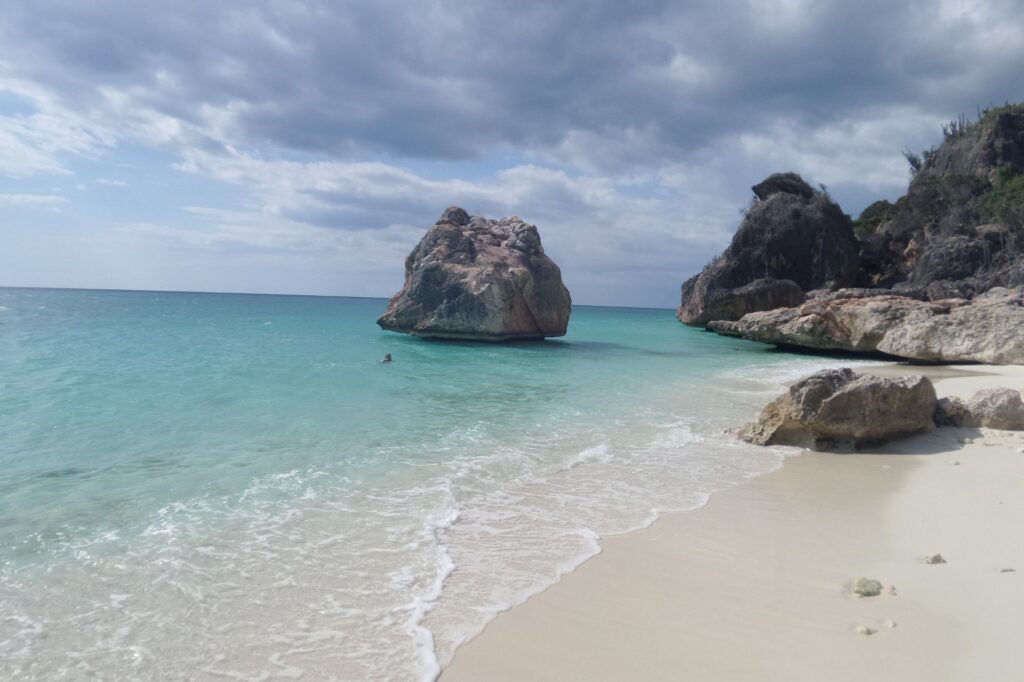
255 501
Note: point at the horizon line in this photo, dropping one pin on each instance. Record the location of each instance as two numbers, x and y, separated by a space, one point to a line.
256 293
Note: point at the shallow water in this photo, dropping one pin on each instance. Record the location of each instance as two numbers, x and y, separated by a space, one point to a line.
208 486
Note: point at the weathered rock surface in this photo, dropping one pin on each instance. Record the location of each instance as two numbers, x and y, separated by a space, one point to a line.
787 183
480 279
961 219
793 239
838 409
732 304
996 408
956 234
988 329
952 411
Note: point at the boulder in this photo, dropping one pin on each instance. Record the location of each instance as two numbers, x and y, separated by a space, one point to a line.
996 408
479 279
788 183
732 304
989 328
952 411
793 239
834 322
838 409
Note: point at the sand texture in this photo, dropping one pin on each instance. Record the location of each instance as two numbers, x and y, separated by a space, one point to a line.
758 585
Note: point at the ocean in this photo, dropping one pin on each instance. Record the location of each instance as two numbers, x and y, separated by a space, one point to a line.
221 486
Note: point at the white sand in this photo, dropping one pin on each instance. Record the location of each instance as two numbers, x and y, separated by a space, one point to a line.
755 586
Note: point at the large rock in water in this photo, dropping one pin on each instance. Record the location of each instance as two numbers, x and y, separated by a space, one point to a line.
479 279
793 239
989 328
838 409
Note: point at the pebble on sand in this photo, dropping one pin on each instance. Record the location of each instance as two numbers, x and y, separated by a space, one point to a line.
890 624
934 559
1008 570
867 587
865 630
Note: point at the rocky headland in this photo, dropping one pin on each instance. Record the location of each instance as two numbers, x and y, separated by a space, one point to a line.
479 279
936 276
988 329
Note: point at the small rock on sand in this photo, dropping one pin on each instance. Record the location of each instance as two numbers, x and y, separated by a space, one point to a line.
865 630
892 590
934 559
867 587
890 624
1008 570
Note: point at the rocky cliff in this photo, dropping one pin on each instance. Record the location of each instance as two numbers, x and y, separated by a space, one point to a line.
959 230
987 329
479 279
793 239
956 234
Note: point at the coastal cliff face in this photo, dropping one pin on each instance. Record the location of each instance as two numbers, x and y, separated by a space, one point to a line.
958 230
793 239
479 279
989 329
922 264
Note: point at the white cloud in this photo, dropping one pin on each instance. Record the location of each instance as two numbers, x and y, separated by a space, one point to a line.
862 152
50 201
629 135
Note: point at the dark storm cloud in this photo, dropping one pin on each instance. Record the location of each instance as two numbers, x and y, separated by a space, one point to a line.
459 80
629 132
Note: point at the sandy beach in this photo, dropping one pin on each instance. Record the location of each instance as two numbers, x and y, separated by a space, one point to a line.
756 585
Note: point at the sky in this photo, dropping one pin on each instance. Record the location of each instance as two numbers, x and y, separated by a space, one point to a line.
305 146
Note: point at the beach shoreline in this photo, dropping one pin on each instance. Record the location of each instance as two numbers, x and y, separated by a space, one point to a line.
756 584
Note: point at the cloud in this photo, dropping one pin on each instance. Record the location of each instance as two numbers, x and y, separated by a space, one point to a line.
621 129
592 226
112 183
50 201
460 82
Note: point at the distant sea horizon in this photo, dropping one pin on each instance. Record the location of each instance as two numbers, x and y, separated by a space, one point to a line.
200 485
270 293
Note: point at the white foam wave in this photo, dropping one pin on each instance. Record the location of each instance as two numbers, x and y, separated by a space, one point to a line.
601 452
316 573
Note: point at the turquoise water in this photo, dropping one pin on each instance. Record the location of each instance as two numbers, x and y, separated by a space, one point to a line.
200 486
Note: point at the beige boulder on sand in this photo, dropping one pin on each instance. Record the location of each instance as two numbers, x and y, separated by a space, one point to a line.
838 409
